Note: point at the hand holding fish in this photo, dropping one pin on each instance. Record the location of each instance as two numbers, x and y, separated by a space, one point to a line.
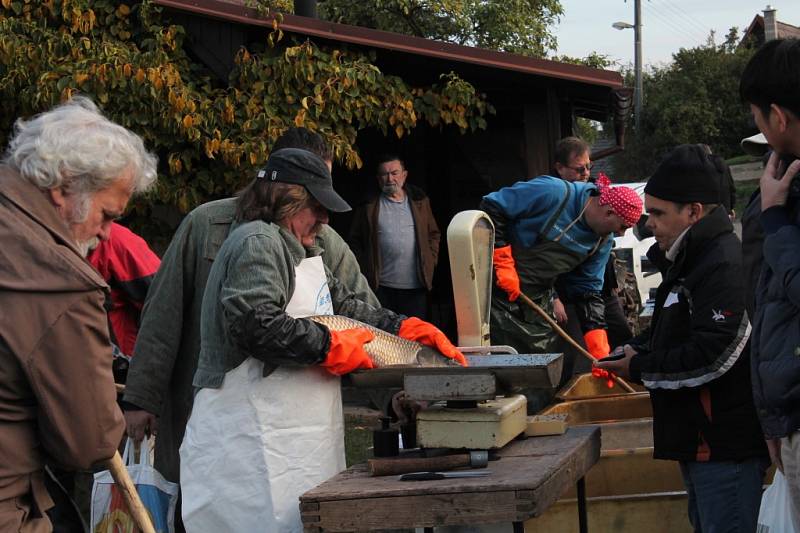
347 353
426 333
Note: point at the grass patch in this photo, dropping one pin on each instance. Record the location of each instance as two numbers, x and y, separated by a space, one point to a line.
358 425
744 189
740 159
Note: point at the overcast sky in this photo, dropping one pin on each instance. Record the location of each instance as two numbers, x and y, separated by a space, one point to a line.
667 25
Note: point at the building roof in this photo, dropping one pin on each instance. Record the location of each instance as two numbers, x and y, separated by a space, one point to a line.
236 11
756 28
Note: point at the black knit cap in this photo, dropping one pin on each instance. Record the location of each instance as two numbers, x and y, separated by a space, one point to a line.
301 167
687 174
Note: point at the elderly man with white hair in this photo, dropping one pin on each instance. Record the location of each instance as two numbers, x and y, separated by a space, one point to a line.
66 175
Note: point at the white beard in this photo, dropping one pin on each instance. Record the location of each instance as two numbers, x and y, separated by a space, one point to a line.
87 246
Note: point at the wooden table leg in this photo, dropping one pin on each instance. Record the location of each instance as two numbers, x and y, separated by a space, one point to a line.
583 523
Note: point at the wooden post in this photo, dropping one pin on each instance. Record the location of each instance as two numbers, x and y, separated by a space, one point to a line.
125 484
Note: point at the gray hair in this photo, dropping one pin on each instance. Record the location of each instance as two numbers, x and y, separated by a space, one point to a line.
73 146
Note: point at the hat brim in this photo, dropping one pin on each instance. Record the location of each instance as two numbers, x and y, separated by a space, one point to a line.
329 198
755 145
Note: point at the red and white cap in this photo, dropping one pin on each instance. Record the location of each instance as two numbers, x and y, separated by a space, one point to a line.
623 200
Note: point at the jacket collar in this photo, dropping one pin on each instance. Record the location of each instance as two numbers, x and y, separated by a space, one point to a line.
34 203
58 251
296 248
693 244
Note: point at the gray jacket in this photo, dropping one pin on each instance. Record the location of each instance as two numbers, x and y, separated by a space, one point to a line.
249 287
168 343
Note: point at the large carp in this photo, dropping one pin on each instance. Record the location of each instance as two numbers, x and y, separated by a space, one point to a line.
387 349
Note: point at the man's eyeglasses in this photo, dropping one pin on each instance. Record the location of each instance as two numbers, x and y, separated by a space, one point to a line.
582 168
393 173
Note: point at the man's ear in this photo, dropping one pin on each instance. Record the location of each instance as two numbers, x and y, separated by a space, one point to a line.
695 212
57 197
781 117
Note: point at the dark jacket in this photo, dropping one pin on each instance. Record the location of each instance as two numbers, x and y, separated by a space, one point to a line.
695 360
752 254
363 239
57 396
776 336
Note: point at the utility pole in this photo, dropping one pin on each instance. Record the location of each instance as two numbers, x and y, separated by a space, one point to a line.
637 23
637 58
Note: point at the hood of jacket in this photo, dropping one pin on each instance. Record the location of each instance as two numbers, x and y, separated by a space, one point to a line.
38 253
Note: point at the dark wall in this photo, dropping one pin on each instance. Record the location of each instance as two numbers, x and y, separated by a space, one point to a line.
455 170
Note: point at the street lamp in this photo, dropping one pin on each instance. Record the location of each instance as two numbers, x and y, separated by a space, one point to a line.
637 36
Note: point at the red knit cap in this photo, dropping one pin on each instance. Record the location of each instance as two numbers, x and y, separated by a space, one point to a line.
623 200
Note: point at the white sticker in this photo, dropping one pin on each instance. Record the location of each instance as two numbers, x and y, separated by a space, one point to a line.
672 298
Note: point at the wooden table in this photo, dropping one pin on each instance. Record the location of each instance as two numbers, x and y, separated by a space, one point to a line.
530 475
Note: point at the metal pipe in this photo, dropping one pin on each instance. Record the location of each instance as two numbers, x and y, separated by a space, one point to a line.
583 522
637 23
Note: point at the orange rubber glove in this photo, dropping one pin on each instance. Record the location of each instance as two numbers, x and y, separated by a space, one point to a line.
426 333
602 373
347 351
597 343
506 272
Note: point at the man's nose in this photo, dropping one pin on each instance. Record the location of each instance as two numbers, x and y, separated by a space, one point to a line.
322 217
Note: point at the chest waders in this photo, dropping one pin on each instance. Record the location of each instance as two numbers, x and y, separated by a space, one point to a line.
514 323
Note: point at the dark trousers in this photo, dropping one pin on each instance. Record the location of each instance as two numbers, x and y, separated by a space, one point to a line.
409 302
617 329
724 496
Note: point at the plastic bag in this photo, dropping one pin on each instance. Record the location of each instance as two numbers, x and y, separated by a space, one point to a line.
110 514
775 516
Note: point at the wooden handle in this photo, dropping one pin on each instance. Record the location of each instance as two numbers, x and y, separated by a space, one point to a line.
564 335
125 484
391 467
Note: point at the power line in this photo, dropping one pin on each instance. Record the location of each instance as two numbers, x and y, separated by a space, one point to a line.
674 26
684 18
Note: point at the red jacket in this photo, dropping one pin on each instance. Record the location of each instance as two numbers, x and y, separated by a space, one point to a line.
128 266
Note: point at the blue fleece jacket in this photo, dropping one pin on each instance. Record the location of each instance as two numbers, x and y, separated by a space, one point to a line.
529 205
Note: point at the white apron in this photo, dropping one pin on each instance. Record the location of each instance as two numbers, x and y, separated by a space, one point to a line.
252 447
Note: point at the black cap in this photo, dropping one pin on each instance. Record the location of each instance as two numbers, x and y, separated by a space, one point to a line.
687 174
301 167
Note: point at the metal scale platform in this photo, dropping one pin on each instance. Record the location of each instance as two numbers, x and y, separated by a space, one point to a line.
479 406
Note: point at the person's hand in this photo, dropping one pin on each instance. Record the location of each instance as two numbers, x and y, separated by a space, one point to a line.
426 333
347 353
139 423
405 409
619 367
559 312
506 272
775 181
774 448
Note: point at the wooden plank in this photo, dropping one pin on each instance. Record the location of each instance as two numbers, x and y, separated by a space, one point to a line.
417 511
522 465
529 476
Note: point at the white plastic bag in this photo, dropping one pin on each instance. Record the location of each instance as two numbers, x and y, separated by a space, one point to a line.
109 511
775 516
